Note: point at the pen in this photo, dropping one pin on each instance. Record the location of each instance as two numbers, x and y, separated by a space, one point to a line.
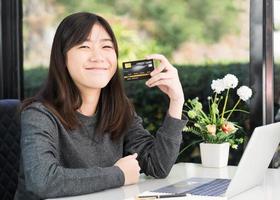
162 196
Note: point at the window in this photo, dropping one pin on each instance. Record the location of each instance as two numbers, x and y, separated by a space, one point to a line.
205 39
276 48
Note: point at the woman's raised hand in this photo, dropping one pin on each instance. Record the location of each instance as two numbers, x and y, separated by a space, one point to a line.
166 77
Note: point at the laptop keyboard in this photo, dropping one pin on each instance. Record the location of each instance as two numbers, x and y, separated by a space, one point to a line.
216 187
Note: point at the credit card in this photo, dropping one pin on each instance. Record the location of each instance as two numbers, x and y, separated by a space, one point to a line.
137 69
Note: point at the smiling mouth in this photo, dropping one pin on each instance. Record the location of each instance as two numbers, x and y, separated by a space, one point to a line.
97 68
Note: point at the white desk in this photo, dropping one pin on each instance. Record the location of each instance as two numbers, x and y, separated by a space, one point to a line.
269 190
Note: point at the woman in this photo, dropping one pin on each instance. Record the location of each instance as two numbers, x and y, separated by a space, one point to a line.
80 134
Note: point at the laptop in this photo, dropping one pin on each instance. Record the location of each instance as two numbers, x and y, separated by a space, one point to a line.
250 171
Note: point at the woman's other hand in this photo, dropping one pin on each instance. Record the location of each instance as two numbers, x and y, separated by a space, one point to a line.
130 167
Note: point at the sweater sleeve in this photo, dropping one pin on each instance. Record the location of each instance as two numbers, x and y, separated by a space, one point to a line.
156 155
44 176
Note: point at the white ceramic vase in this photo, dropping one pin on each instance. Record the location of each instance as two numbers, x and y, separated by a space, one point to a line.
214 155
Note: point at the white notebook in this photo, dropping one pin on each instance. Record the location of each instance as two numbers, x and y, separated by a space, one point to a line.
187 197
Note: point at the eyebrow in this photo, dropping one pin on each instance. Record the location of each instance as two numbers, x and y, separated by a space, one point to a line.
103 40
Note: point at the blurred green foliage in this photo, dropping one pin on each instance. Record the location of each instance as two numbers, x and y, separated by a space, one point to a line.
127 41
163 25
33 80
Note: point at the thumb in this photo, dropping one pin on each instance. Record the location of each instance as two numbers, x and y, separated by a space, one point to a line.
134 155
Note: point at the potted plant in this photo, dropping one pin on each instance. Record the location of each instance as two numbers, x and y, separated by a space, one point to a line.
214 127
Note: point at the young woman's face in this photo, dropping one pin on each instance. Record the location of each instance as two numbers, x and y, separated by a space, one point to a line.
93 63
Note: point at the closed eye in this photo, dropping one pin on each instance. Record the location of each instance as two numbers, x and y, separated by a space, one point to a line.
83 46
107 47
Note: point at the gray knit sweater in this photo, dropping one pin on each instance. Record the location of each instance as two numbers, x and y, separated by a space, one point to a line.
56 162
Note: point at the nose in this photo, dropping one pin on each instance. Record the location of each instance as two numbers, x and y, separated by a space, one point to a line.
96 56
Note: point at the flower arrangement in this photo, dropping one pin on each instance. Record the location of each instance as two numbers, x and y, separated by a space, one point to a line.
215 127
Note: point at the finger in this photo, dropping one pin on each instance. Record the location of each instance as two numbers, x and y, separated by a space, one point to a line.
158 69
133 156
165 82
163 60
138 169
160 76
159 57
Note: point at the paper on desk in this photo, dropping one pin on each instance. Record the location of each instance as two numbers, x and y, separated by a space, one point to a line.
189 197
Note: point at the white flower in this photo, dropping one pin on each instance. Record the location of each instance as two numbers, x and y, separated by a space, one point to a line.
218 86
244 93
230 81
211 128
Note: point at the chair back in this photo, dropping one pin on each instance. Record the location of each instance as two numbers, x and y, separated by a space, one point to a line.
9 147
